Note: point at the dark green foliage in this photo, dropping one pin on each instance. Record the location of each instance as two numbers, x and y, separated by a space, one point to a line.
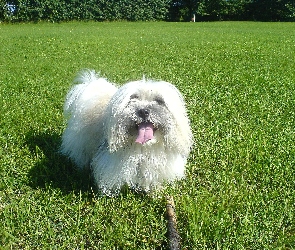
101 10
147 10
273 10
212 10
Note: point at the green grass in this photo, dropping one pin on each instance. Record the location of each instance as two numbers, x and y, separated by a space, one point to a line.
238 79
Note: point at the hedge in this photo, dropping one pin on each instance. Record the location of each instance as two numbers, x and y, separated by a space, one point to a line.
146 10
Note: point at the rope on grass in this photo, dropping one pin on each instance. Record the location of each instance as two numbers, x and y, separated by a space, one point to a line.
172 234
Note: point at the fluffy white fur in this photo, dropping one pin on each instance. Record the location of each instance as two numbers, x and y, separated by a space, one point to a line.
103 126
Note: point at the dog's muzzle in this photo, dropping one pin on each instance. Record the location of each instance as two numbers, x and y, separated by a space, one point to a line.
144 114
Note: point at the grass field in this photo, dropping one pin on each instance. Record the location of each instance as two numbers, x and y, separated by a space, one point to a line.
238 79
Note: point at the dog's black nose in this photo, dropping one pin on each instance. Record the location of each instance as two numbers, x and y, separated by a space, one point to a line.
144 113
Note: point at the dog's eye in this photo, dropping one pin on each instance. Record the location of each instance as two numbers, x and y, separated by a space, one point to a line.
134 96
160 100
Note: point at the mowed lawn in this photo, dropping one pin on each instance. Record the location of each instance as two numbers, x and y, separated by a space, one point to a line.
238 80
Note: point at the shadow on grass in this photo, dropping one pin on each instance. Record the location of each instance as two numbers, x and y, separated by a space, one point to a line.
53 169
57 171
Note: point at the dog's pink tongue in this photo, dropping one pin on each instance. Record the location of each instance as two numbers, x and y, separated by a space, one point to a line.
145 132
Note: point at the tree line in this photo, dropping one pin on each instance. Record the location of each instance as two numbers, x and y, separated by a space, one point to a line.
146 10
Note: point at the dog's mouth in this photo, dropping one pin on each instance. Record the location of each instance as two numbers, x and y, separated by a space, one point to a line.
145 132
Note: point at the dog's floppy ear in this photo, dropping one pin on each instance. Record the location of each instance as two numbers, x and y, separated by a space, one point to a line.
180 134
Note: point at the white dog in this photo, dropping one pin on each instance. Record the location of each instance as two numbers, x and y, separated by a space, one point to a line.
138 134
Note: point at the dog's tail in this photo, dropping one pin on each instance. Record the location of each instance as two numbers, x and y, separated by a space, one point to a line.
88 90
84 109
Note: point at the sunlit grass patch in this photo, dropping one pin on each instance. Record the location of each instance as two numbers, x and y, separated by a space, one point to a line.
238 82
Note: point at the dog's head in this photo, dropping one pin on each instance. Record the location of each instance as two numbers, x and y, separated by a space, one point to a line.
148 113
